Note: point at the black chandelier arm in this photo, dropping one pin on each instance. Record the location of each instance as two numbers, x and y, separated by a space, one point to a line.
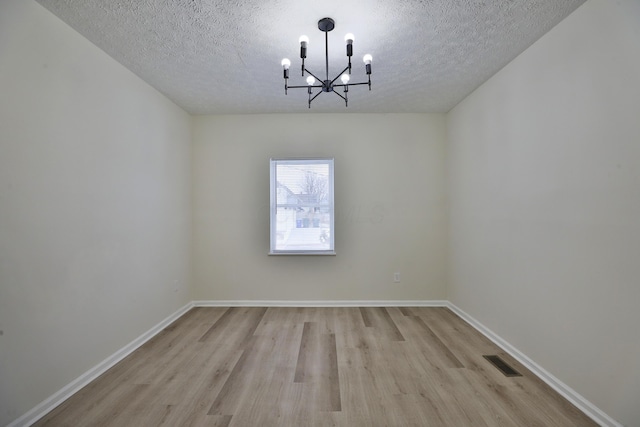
314 97
337 93
346 103
357 84
338 76
314 76
349 84
304 87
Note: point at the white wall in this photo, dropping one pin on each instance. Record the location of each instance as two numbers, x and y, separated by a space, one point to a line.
94 206
544 179
389 196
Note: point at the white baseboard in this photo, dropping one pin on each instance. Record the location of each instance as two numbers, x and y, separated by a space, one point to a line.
320 303
567 392
70 389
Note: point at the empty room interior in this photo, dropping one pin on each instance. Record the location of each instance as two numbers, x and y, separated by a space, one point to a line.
485 185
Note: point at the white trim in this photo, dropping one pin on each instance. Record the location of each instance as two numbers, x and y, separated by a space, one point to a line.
320 303
567 392
73 387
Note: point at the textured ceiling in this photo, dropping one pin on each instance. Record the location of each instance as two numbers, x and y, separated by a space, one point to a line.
223 56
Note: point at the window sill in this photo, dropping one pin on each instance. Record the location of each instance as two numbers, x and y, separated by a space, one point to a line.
305 253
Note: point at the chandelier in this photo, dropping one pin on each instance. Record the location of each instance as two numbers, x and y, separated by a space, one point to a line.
326 85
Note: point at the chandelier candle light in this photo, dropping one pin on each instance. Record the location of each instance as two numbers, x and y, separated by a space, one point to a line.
325 25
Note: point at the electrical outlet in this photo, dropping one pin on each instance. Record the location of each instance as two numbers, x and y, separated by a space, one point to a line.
396 277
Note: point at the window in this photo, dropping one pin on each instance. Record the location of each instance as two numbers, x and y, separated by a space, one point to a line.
302 207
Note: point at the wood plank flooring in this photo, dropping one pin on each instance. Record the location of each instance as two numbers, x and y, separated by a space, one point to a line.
243 366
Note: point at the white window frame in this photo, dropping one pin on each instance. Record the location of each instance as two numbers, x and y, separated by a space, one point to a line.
273 190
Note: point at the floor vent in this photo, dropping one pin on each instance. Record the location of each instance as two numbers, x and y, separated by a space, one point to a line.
507 370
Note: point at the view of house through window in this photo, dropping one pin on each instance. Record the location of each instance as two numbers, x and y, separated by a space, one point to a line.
302 206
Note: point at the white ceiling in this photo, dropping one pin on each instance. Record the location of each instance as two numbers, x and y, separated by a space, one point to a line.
223 56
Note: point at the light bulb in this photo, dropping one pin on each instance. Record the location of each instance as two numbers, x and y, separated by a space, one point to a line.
344 78
304 40
285 63
311 80
367 59
349 38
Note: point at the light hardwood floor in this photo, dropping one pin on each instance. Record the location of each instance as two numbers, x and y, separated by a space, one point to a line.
316 367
